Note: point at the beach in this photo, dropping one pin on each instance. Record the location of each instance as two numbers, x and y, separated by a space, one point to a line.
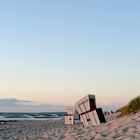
116 128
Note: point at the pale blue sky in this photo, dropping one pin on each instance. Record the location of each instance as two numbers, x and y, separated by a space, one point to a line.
56 51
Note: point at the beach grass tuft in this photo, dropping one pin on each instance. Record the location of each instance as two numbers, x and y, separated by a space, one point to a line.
132 107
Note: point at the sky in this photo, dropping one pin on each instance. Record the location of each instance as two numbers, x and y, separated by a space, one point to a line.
55 52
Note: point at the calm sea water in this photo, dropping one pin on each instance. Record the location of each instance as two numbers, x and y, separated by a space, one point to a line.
32 116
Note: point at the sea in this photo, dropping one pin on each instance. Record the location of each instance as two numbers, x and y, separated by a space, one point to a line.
4 116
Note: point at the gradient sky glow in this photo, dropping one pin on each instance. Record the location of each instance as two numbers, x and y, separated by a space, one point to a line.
57 51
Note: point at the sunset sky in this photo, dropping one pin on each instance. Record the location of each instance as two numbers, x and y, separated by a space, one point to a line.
57 51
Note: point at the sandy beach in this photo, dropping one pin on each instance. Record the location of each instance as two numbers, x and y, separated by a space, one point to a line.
126 128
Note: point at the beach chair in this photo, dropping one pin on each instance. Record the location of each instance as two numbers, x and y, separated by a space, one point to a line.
69 119
89 114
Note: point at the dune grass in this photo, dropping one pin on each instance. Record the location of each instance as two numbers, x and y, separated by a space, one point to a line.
132 107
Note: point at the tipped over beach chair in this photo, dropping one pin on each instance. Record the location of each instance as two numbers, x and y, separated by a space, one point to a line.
89 114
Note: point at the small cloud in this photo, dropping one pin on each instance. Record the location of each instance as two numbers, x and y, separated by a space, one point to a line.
13 104
8 102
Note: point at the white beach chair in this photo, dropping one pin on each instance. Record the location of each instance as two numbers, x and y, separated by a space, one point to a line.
69 119
89 114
